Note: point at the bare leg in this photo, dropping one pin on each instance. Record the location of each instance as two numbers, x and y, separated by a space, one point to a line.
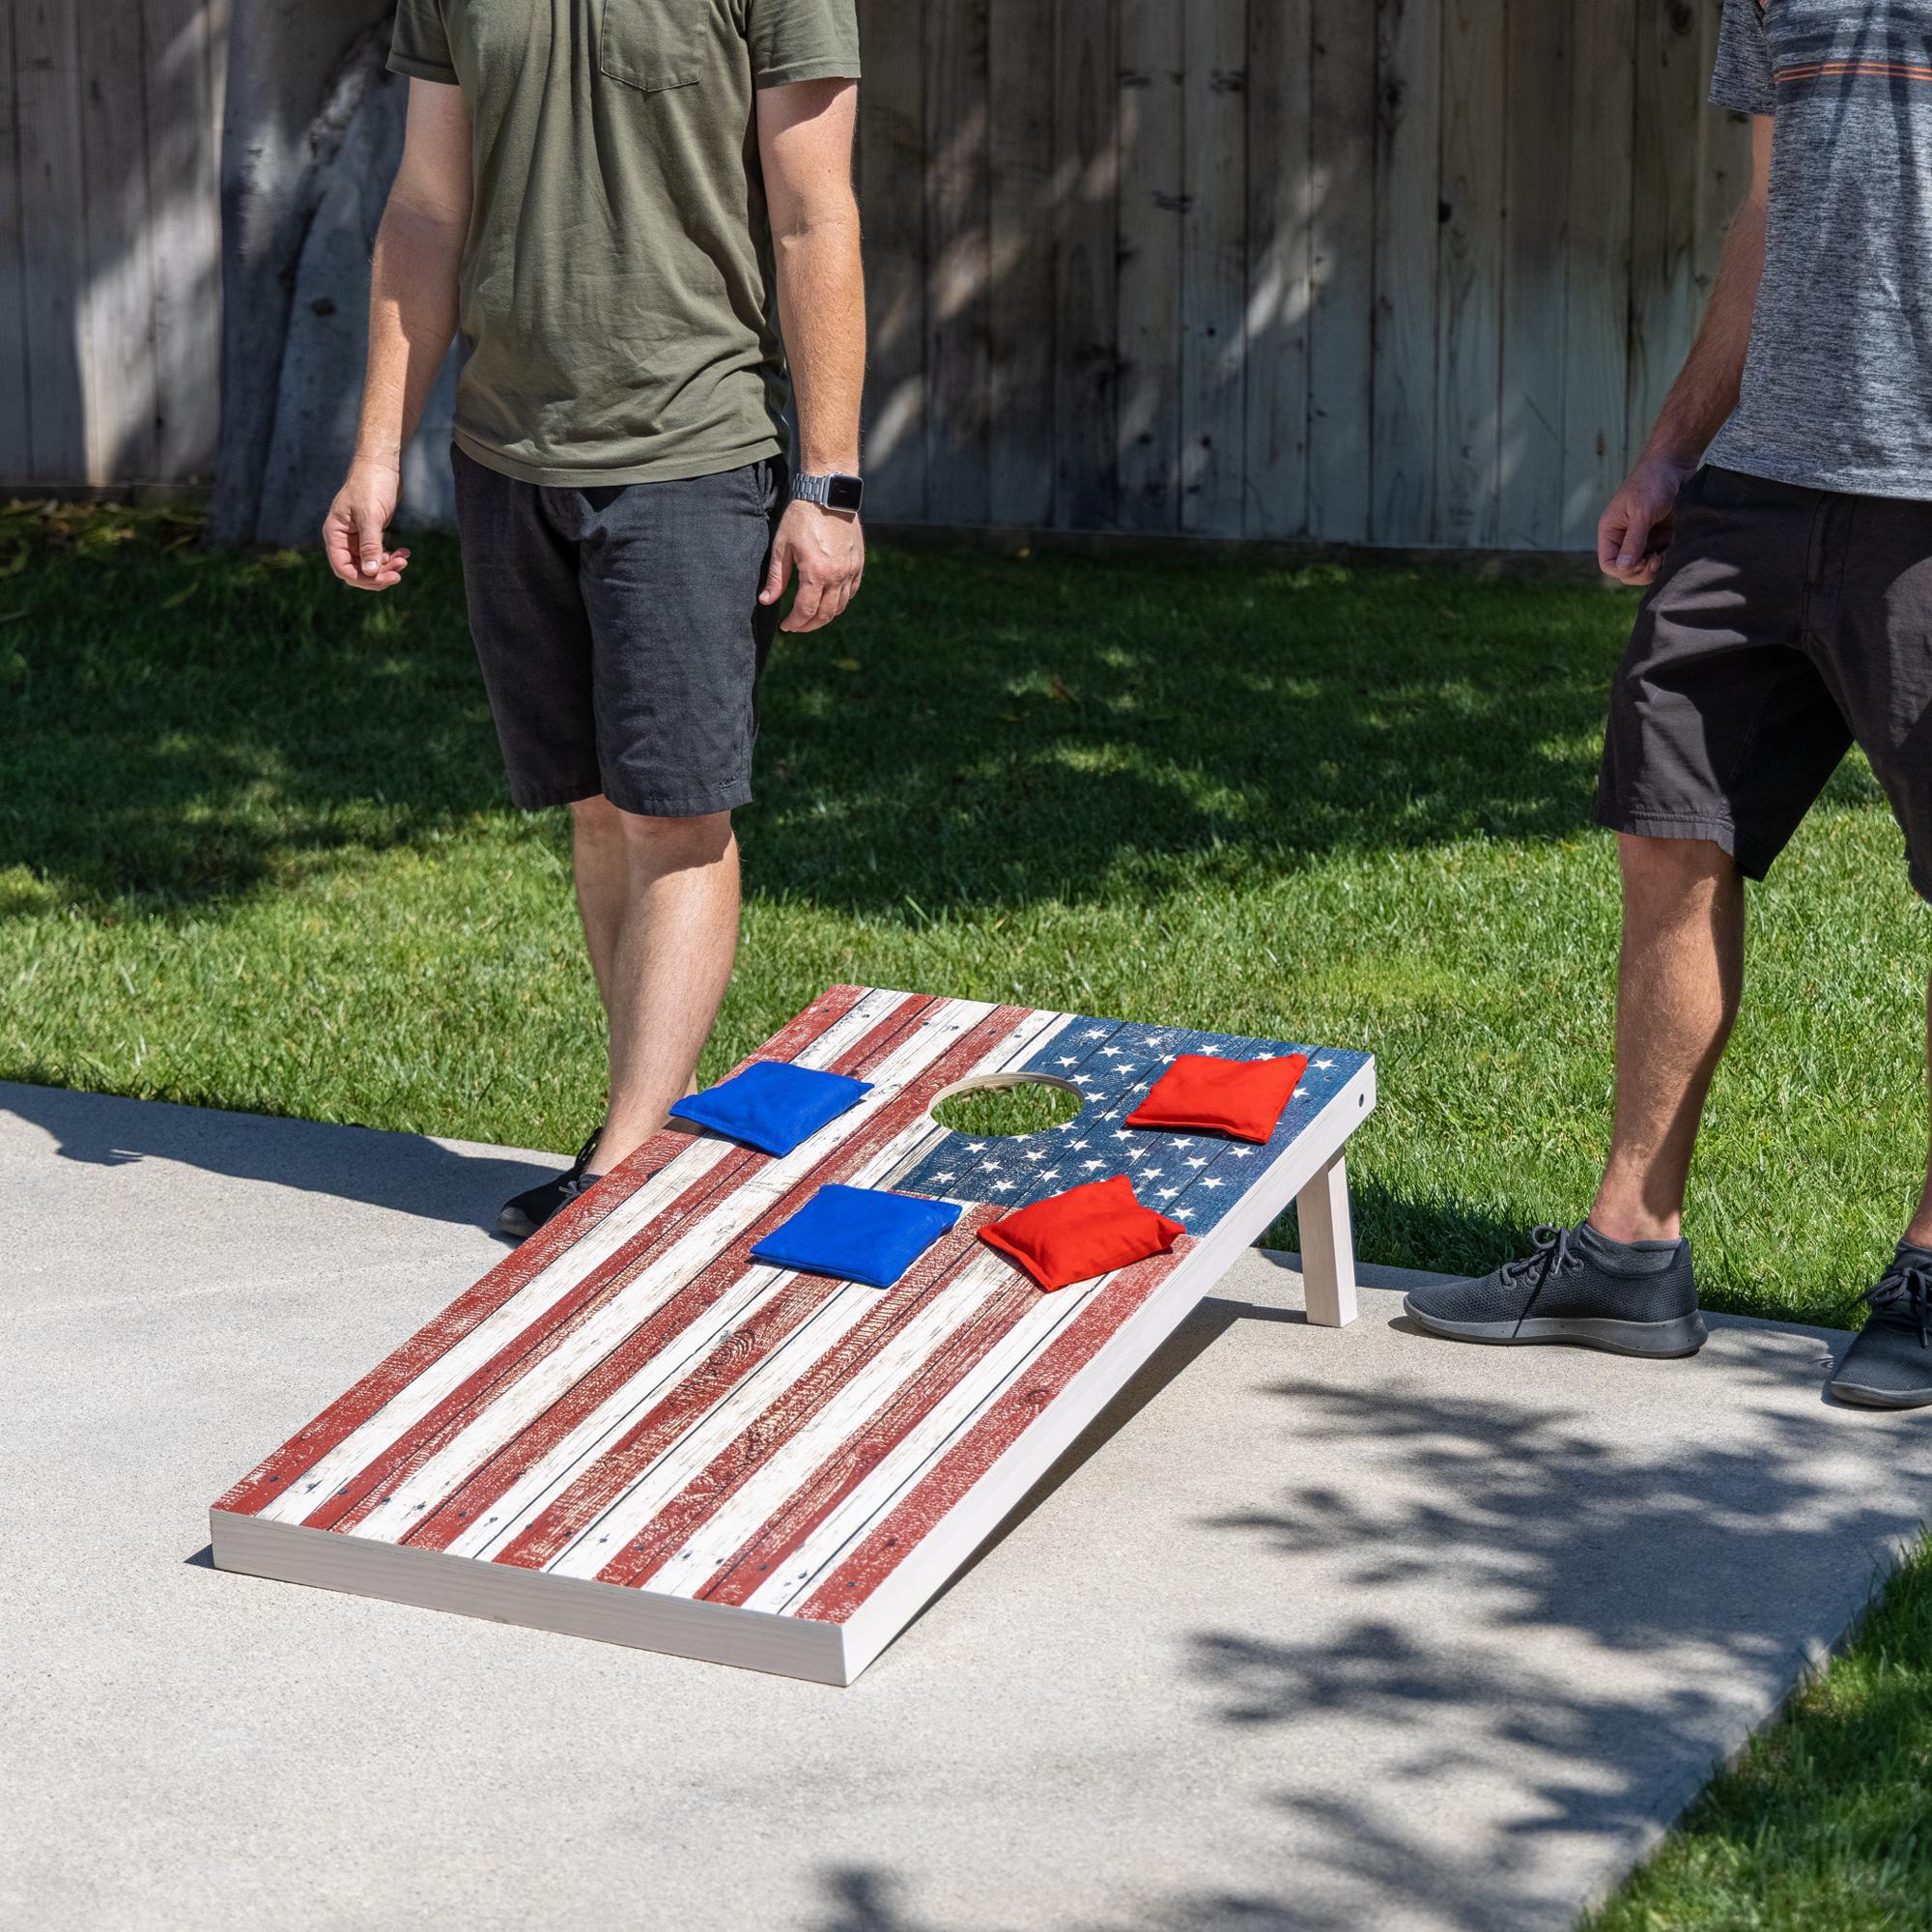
1679 976
668 967
1919 1232
601 859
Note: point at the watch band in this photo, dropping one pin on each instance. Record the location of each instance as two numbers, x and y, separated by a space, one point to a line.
833 490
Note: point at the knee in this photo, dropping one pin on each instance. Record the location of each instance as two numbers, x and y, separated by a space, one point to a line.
597 821
675 845
1684 865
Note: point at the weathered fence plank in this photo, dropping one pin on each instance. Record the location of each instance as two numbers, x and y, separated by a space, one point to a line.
1409 97
15 447
1214 265
1341 321
1023 211
1280 205
1086 157
1597 289
1468 425
892 203
1147 294
1536 197
958 240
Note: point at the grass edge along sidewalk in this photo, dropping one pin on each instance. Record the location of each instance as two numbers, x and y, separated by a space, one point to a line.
256 854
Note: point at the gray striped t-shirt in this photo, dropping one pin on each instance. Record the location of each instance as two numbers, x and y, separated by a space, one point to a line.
1837 387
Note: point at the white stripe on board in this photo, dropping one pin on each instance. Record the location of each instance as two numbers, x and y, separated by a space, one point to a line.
748 1398
909 1458
508 1414
414 1400
833 1424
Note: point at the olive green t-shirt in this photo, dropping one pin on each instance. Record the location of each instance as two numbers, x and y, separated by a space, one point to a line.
618 297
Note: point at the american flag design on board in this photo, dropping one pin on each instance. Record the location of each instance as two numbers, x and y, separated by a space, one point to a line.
629 1400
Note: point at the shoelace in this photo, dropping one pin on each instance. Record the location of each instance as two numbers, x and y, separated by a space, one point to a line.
1552 1255
1904 1292
575 1180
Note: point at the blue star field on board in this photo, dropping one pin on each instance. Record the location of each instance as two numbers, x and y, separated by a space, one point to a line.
1195 1177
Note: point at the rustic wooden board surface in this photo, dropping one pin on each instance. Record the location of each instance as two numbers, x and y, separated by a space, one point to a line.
628 1402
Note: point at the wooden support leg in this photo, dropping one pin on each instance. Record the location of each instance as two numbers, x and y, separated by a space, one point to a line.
1327 1248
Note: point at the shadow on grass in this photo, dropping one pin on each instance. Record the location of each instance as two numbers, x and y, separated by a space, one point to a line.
975 731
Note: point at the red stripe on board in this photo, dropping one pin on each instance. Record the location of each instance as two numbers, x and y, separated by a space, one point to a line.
918 1512
435 1430
350 1411
855 1459
626 1459
656 1541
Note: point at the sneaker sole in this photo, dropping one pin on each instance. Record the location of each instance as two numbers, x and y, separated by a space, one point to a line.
1871 1398
1683 1336
515 1224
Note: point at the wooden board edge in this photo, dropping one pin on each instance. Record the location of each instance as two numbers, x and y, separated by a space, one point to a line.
431 1579
893 1607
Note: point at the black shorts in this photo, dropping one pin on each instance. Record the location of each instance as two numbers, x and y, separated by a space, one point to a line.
1786 623
620 632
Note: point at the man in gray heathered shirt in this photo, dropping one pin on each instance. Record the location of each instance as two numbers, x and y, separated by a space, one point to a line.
1789 615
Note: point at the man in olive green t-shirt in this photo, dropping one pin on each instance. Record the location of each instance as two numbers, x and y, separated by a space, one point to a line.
615 202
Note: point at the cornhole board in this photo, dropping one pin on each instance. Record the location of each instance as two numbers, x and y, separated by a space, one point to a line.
628 1429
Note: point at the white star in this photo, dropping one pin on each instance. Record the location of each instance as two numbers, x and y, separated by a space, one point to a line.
1324 1065
1114 1116
1123 1133
1297 1094
1034 1154
1151 1173
1168 1057
1095 1033
942 1176
1069 1060
1184 1213
1211 1183
1264 1056
1051 1174
1083 1080
1003 1187
1091 1165
1168 1193
1197 1160
1244 1153
977 1147
1078 1145
1110 1053
1137 1153
1207 1049
1184 1143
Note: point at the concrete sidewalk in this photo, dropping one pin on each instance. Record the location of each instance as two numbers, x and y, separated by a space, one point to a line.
1316 1629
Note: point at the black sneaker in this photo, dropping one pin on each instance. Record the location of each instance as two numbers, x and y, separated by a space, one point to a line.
1889 1362
1631 1298
524 1213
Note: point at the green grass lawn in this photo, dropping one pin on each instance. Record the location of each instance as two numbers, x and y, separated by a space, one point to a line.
255 852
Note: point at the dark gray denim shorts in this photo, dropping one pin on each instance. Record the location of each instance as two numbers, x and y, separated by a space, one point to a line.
620 633
1785 624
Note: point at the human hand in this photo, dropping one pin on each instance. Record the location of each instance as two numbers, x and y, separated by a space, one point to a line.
827 548
1635 530
352 534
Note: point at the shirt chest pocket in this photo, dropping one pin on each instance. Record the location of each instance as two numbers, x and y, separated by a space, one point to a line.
652 44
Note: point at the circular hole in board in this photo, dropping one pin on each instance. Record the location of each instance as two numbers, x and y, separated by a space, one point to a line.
1007 1106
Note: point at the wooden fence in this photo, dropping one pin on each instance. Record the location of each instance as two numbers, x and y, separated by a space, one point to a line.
110 293
1401 271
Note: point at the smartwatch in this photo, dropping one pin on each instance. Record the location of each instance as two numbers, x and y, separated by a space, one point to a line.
836 492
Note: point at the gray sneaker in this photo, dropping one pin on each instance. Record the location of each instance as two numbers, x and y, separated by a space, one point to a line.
1889 1362
1631 1298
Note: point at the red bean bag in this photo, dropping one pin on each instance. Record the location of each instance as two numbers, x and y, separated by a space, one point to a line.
1085 1231
1241 1097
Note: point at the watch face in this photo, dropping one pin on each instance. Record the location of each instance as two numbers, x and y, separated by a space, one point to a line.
843 493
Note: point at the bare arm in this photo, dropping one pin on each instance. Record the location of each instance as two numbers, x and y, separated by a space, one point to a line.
805 139
413 296
1635 530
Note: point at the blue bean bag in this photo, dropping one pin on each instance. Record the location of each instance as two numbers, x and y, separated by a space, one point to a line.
773 1105
858 1233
